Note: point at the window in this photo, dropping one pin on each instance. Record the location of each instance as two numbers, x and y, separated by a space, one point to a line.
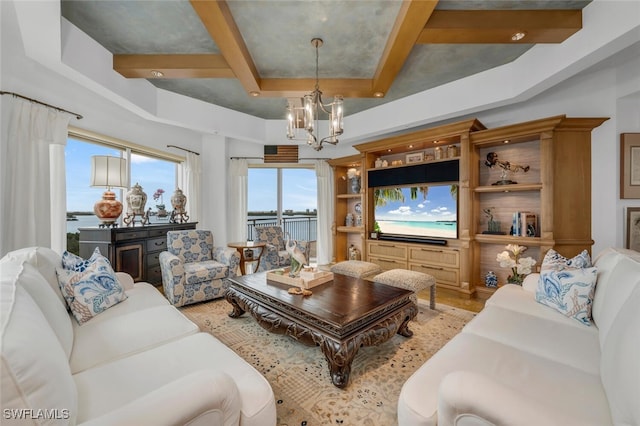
283 196
155 174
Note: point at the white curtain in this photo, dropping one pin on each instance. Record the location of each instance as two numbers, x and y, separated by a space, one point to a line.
324 245
34 196
238 187
190 183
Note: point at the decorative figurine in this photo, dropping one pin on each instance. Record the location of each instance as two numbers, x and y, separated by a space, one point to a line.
506 166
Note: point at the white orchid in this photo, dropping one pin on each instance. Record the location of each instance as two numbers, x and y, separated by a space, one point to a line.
520 266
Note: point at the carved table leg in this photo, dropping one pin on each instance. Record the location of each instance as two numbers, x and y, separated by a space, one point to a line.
411 313
339 357
237 310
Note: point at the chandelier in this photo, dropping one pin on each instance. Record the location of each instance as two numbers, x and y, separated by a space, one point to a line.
306 117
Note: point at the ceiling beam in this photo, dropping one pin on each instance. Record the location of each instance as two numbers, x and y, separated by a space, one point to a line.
298 87
498 26
217 19
173 66
408 26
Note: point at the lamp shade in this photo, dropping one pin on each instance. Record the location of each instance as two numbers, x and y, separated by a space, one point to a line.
108 172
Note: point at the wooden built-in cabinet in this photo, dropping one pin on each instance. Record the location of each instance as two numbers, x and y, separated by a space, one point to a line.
556 188
347 202
133 250
457 136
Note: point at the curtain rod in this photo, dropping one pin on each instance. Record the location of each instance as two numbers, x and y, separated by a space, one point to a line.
78 116
184 149
262 158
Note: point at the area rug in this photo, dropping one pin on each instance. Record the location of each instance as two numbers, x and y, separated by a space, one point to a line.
299 374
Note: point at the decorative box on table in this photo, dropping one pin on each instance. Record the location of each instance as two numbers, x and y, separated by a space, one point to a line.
306 280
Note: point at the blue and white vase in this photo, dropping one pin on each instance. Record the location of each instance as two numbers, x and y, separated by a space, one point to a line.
491 280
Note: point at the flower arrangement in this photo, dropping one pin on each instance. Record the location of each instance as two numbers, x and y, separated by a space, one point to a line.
158 196
520 266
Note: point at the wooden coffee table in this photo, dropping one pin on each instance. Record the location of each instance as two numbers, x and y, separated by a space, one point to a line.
339 317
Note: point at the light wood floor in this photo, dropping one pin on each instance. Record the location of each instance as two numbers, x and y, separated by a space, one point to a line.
451 298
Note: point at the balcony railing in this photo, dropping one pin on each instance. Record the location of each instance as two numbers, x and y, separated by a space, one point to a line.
299 228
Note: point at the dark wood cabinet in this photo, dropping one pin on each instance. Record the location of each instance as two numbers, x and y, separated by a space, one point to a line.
135 251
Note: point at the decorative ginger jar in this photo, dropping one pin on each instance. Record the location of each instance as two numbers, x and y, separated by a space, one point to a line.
136 200
491 280
178 201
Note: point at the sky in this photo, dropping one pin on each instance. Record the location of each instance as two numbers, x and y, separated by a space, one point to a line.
299 184
150 173
439 205
299 190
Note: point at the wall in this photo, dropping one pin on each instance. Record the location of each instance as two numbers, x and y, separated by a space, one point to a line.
610 89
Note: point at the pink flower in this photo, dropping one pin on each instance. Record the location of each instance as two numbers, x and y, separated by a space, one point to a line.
158 193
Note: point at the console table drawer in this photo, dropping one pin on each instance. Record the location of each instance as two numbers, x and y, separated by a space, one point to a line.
157 244
154 275
131 235
153 259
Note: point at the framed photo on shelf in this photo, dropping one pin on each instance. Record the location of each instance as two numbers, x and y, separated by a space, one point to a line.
630 165
633 228
415 157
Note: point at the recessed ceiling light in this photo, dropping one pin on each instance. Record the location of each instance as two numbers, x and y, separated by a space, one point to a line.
254 93
157 74
378 94
389 150
506 141
518 36
410 146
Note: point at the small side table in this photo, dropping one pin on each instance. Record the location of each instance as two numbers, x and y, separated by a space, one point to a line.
242 246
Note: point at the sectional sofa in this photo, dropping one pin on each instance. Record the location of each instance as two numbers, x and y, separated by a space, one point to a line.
520 362
140 362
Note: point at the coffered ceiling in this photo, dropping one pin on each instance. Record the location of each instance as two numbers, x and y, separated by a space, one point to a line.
251 56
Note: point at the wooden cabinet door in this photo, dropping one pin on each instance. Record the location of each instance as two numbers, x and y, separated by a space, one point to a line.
129 259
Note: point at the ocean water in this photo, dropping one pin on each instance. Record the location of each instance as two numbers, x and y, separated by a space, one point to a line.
424 229
92 221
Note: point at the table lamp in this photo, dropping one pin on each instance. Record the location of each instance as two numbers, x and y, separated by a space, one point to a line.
108 172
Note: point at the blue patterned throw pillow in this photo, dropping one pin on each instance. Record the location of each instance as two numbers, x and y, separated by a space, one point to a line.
569 291
554 260
74 262
92 289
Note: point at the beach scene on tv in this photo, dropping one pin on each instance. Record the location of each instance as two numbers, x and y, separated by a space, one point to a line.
425 211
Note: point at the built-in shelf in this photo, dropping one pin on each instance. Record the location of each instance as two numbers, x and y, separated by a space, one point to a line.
509 188
405 164
509 239
350 228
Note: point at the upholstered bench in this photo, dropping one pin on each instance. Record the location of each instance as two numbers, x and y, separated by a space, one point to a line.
356 268
410 280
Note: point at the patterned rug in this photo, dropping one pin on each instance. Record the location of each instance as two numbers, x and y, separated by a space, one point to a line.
299 374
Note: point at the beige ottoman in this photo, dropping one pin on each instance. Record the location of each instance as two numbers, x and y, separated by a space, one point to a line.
410 280
356 268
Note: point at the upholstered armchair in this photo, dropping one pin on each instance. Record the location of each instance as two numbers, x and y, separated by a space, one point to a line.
193 270
275 254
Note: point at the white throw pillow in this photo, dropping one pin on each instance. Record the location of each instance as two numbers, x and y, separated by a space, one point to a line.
91 290
569 291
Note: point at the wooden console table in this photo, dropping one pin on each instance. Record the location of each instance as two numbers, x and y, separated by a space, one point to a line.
133 250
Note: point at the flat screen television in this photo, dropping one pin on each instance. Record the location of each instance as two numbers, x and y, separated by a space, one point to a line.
415 212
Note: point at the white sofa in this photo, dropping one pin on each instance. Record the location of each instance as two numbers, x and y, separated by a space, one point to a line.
140 362
519 362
